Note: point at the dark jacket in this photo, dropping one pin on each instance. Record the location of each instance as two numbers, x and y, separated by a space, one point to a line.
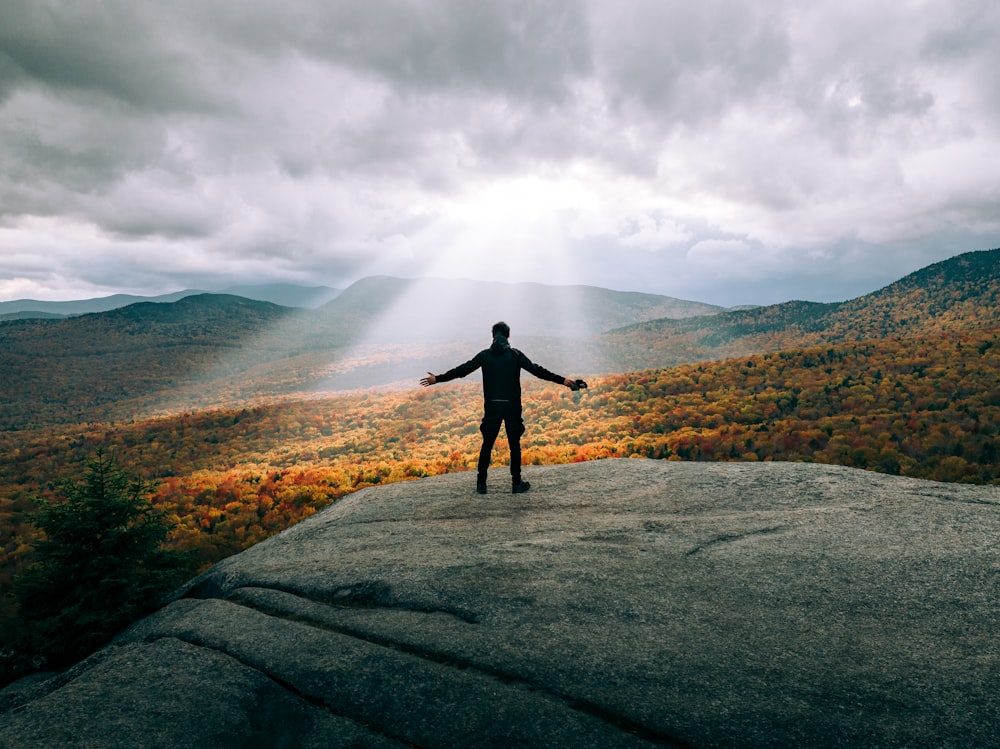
501 367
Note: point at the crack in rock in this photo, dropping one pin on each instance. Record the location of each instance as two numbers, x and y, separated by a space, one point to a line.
368 594
291 689
267 601
730 537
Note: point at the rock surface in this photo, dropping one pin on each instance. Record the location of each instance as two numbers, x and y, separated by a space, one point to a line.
620 603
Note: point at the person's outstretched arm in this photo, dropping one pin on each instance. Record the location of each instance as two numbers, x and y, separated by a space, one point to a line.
543 374
452 374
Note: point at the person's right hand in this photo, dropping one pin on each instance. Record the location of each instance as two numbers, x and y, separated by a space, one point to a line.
428 380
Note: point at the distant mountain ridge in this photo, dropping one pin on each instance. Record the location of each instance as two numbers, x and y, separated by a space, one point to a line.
207 350
398 309
285 294
962 292
25 307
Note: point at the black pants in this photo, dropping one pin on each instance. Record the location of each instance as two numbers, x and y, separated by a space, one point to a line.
490 428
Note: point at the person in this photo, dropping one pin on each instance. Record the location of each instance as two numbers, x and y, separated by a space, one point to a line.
501 367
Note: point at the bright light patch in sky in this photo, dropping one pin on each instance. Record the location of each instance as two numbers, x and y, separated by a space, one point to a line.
510 230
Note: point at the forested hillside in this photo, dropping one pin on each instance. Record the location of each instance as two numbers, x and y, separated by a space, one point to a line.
961 293
85 368
210 351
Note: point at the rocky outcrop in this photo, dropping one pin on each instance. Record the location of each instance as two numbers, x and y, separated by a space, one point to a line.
619 603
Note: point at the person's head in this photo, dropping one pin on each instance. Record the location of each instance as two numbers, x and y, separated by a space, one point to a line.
502 328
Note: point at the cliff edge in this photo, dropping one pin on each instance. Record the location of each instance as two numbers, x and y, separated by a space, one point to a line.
620 603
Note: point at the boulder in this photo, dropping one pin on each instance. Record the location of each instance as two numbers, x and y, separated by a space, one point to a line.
619 603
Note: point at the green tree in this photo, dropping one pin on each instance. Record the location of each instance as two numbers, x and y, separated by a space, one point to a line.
100 565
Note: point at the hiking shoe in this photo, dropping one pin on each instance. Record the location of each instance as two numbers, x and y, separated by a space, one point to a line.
520 487
480 487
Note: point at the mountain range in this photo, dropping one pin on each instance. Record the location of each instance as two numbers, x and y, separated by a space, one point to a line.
285 294
962 292
205 350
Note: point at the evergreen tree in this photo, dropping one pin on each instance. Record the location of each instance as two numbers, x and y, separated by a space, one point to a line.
100 566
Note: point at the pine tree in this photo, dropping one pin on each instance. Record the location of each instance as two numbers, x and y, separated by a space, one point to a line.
100 566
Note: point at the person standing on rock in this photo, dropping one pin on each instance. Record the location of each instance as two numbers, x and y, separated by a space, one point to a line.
501 367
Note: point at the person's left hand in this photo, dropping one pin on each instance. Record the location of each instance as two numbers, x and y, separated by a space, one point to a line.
428 380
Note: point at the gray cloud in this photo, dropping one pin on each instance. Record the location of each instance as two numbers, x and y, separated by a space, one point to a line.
138 54
714 149
520 49
687 63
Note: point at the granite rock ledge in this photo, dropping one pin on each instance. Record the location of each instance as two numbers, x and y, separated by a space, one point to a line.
620 603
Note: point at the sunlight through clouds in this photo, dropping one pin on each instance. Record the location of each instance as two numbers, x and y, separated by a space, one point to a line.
503 233
511 231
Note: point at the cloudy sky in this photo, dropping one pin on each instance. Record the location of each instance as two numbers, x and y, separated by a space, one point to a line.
728 152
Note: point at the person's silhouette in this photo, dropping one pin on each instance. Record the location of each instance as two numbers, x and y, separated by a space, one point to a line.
501 367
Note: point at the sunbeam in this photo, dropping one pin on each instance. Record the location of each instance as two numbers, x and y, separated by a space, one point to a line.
384 331
487 246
